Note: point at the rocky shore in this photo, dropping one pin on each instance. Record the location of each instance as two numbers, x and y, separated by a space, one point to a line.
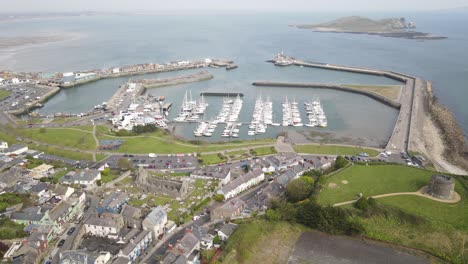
455 145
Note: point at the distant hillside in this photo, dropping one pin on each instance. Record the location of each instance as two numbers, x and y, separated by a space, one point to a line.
388 27
362 24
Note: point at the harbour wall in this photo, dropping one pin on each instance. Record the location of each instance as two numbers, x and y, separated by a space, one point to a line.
221 94
401 136
372 95
126 74
392 75
53 90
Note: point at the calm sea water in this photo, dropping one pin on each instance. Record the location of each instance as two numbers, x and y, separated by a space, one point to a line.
250 39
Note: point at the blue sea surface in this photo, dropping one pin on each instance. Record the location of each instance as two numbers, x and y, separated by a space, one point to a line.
250 39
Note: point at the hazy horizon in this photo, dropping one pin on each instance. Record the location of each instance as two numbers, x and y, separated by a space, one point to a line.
34 6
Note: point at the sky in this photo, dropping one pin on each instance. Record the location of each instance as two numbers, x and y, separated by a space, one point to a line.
20 6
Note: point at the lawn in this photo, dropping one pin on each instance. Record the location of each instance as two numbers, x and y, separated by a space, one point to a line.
60 136
62 152
389 91
211 159
4 94
260 241
443 232
161 143
264 151
107 177
334 150
443 228
372 180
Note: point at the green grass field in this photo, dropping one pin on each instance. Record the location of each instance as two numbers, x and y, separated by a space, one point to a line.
60 136
333 150
4 94
62 152
264 151
167 144
260 241
444 226
211 159
372 180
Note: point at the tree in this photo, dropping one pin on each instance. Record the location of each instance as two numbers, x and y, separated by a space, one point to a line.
124 164
362 204
218 197
247 168
340 162
299 189
106 172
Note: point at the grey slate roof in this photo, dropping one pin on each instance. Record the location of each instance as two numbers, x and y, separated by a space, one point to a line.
228 229
240 180
24 216
59 210
114 199
76 257
286 177
80 175
217 172
130 211
126 250
188 242
96 221
157 215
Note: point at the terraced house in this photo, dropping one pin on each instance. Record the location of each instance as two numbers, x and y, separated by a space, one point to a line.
242 183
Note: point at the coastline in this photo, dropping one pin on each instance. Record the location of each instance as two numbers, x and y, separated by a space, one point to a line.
413 35
440 136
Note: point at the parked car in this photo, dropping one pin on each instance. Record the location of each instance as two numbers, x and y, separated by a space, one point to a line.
61 242
71 230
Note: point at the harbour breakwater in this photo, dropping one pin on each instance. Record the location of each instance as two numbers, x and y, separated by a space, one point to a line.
139 69
401 135
372 95
155 83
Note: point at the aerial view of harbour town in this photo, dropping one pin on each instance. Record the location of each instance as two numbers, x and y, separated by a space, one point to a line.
206 131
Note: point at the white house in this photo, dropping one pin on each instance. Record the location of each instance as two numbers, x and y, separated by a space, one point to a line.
15 81
220 173
115 70
3 145
226 231
242 183
83 177
16 149
156 221
104 226
137 245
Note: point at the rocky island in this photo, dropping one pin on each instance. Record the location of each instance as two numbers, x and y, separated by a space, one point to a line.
388 27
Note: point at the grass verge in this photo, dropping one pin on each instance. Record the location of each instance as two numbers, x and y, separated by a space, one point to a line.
334 150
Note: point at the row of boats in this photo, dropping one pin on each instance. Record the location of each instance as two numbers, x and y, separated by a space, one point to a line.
191 110
315 114
314 110
262 117
228 115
